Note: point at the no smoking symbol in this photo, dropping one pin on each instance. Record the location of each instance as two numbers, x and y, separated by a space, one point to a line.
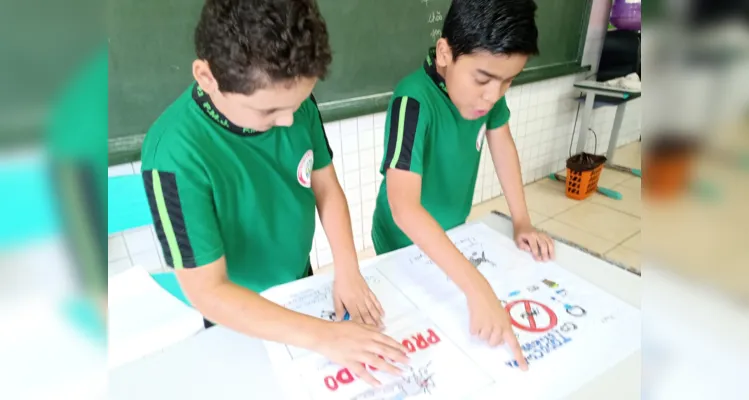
531 316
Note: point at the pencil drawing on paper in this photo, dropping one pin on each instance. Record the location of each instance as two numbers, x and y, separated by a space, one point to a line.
415 382
469 246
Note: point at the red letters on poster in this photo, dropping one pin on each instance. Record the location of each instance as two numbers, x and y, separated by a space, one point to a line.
344 377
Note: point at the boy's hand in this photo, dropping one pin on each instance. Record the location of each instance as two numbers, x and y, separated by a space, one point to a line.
351 293
540 245
353 345
490 322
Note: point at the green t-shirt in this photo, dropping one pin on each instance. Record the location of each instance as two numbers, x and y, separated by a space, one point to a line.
216 189
425 134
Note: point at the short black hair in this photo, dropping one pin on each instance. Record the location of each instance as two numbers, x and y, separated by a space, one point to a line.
495 26
250 44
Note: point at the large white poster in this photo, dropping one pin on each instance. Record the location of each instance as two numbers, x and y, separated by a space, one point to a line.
570 331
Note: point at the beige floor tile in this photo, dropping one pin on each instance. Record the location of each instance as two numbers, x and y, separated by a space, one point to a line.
630 202
633 243
548 198
366 254
633 183
500 204
628 257
629 155
325 269
611 177
577 236
601 221
483 209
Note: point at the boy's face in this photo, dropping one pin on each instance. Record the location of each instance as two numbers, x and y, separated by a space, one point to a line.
476 81
271 106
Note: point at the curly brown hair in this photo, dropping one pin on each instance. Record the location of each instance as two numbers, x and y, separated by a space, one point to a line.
250 44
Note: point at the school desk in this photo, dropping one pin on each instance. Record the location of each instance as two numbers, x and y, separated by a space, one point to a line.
598 95
219 363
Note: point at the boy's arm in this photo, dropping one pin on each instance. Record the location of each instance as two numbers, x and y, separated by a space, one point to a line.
507 164
182 206
407 132
209 290
404 196
489 320
351 292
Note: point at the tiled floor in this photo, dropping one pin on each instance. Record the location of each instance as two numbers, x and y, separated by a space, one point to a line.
598 223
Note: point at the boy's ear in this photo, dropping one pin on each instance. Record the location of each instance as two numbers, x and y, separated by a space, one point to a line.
444 53
201 71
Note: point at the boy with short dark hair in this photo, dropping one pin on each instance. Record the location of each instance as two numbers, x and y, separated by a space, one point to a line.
234 170
435 131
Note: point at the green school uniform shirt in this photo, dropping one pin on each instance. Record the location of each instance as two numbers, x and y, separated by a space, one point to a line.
425 134
216 189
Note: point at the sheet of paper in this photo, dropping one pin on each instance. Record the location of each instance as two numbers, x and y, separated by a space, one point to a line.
314 297
570 331
144 318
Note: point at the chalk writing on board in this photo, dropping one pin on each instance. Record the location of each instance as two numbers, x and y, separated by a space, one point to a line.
434 17
436 34
426 2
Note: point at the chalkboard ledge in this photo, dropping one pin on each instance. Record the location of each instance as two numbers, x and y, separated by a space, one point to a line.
337 110
127 149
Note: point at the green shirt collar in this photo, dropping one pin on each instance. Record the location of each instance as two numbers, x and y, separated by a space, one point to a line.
430 67
204 102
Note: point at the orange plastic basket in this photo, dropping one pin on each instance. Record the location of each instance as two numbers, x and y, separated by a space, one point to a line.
580 185
581 182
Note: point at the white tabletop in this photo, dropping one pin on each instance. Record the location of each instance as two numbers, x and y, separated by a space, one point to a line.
221 364
606 89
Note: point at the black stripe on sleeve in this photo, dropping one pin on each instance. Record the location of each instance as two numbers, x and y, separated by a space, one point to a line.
322 126
410 123
176 217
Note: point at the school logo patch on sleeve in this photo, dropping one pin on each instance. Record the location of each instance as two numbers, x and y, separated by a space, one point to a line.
304 170
480 137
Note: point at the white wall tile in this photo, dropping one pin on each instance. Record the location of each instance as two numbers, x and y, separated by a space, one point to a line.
349 142
351 180
367 158
368 192
366 140
379 120
351 162
368 174
118 266
117 249
365 123
120 169
140 240
149 260
324 257
333 132
313 257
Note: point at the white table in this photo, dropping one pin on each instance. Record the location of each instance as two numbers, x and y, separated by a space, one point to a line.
220 364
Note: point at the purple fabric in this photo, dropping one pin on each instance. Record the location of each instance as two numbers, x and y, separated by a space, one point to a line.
626 16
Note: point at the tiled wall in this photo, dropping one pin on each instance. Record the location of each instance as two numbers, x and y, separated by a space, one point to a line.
543 115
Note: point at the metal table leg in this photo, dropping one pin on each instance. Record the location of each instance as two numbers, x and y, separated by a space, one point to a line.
585 122
614 139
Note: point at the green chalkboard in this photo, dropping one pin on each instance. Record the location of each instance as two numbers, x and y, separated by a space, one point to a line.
375 43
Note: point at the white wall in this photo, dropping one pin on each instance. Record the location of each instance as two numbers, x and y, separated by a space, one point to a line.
543 114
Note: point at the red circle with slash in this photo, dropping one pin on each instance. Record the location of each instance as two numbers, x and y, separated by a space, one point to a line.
532 309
